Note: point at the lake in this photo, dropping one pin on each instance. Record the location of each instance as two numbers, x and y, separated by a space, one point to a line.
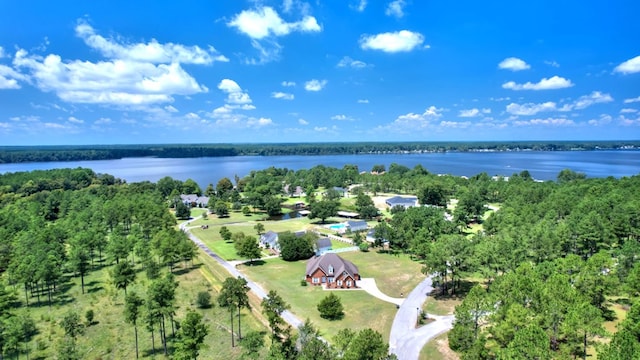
543 165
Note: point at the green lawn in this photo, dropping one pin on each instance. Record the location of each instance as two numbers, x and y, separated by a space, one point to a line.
438 349
109 337
361 309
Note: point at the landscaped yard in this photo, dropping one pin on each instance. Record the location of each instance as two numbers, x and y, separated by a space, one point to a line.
394 274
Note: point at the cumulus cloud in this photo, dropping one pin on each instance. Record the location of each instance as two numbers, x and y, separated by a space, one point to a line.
420 120
75 120
342 117
455 124
315 85
303 122
363 101
265 21
9 78
282 95
396 8
349 62
359 5
528 109
152 52
628 111
545 122
473 112
513 64
235 95
392 42
128 78
604 119
625 121
595 97
632 100
630 66
555 82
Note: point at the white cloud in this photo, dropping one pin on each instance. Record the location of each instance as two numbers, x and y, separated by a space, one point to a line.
545 122
2 53
349 62
396 8
282 95
625 121
288 83
419 120
552 63
555 82
473 112
342 117
264 22
632 100
392 42
603 120
171 109
235 95
513 64
582 102
629 67
500 99
595 97
315 85
259 122
530 108
628 111
75 120
152 52
455 124
359 6
303 122
363 101
9 78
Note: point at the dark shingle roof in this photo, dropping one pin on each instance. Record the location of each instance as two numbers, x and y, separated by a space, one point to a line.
400 200
339 265
323 243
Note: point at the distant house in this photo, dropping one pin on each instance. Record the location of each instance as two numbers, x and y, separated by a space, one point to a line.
297 192
357 225
371 238
332 271
194 200
322 246
340 190
404 201
270 240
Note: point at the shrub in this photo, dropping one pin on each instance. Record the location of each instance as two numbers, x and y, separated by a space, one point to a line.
331 307
303 282
203 300
89 316
364 246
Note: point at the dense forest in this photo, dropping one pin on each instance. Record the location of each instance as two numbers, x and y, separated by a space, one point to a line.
20 154
539 280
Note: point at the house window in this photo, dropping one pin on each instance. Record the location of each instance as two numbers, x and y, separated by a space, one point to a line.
348 283
316 280
324 279
330 269
339 282
331 279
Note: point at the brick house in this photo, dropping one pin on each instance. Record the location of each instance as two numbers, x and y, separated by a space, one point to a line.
332 271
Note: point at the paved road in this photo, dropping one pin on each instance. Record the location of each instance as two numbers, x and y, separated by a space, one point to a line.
286 315
405 340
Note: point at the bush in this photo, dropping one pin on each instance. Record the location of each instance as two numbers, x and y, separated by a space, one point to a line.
203 300
364 246
303 283
89 316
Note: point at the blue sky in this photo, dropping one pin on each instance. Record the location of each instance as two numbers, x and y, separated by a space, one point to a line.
113 72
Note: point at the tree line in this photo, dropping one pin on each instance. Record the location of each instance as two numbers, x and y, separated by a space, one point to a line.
20 154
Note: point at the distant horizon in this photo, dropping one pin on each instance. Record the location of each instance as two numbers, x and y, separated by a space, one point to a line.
136 72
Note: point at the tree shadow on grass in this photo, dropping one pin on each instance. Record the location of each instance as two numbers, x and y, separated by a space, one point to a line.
186 270
460 293
254 263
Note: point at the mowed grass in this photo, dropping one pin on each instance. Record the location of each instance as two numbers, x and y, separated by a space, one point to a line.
442 306
361 310
438 349
110 337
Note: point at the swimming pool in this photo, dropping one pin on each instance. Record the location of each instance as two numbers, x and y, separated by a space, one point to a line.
337 226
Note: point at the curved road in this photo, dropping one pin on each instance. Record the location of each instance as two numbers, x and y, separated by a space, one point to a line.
405 340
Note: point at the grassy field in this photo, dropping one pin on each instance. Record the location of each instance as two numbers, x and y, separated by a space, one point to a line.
109 337
438 349
361 309
442 306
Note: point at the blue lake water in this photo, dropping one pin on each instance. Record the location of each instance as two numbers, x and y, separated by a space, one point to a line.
543 165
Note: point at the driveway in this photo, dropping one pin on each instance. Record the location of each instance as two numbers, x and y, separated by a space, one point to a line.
405 340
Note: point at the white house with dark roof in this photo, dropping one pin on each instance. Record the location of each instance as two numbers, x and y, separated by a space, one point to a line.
270 240
322 246
193 200
332 271
404 201
357 225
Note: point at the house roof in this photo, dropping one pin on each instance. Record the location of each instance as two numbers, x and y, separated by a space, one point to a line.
401 200
339 264
269 237
323 243
357 224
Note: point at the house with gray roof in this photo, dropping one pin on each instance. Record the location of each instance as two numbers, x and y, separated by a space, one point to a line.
404 201
332 272
323 245
357 225
193 200
270 240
